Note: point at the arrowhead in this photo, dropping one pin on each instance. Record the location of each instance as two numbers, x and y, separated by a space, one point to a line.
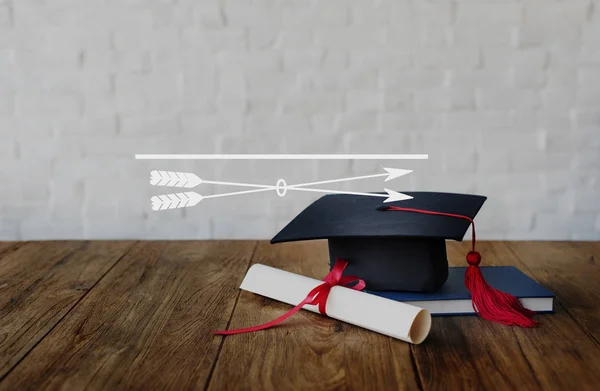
395 173
395 196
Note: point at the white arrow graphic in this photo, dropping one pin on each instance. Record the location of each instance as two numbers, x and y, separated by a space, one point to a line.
191 198
391 173
175 200
190 180
174 179
391 195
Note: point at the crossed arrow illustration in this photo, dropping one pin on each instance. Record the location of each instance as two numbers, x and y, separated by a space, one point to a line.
191 198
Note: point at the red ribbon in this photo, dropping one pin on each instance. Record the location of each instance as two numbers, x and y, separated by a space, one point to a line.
317 296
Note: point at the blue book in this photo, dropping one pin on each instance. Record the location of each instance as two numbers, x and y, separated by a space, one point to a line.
454 298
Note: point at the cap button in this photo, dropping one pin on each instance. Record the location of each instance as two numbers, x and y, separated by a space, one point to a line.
473 258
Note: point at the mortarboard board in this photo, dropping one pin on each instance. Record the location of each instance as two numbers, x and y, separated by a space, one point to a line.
389 251
403 251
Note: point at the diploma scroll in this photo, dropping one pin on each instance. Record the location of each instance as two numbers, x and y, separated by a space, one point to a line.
395 319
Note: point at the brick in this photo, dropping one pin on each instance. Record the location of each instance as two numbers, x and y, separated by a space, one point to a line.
563 56
315 103
586 119
302 60
408 141
588 75
397 100
5 16
354 37
254 61
507 98
392 60
435 35
164 15
251 14
480 120
105 104
500 58
561 77
261 84
148 125
436 13
290 123
484 13
446 58
554 120
49 147
479 78
528 77
214 40
413 79
317 14
341 80
588 96
108 125
366 122
47 105
554 98
444 99
209 15
590 32
492 34
358 101
6 104
265 37
574 11
210 123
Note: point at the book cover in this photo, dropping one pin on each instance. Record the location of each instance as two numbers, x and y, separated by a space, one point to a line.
454 298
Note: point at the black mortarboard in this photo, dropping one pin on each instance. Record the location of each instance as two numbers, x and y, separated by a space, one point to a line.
389 251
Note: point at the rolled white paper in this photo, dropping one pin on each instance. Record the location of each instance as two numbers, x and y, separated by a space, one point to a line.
393 318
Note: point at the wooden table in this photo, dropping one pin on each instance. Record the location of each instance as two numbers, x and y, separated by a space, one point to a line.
138 315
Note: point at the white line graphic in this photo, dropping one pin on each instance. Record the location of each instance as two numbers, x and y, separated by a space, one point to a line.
183 156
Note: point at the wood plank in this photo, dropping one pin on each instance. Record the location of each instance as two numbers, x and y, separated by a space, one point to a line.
466 352
310 351
146 325
6 246
39 283
572 271
484 355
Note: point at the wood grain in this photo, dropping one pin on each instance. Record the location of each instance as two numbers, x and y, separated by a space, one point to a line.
572 271
470 353
146 325
74 316
39 283
6 246
490 356
309 351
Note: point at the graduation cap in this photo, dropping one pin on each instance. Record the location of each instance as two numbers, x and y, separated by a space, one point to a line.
403 251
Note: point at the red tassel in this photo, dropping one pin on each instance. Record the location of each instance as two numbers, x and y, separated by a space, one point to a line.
489 303
492 304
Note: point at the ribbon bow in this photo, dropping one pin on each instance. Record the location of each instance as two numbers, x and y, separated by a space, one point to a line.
318 296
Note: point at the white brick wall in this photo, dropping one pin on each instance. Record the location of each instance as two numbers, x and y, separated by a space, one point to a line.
503 95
